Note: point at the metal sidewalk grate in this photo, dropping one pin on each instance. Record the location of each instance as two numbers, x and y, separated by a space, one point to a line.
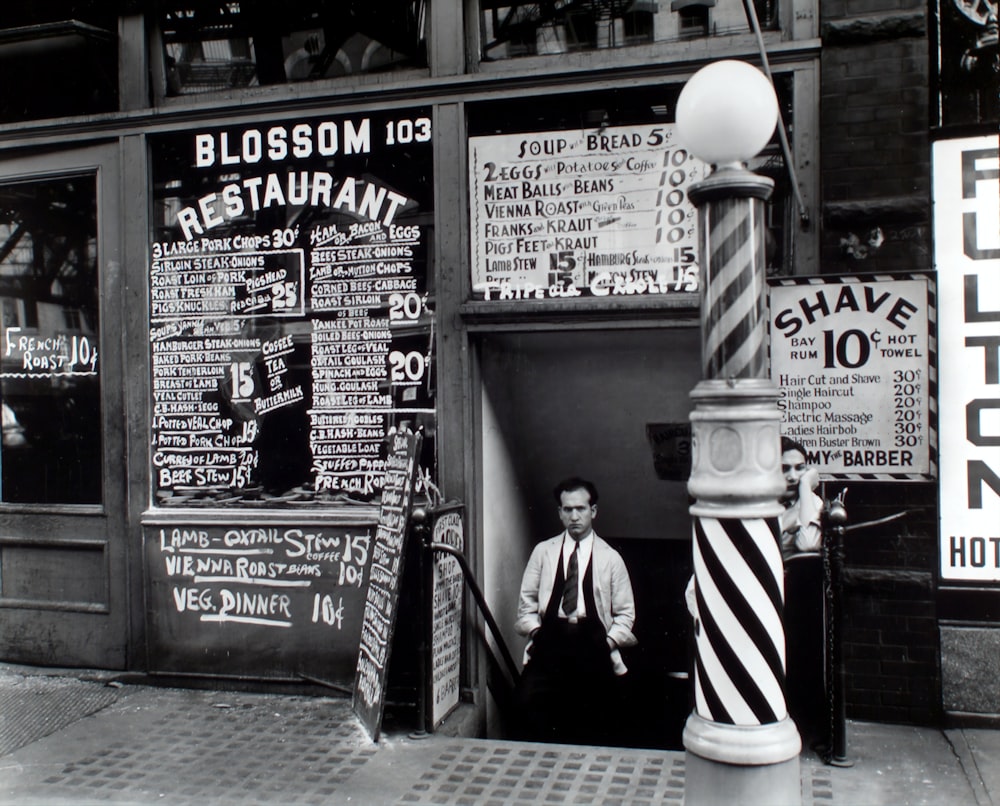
241 751
817 783
34 707
498 774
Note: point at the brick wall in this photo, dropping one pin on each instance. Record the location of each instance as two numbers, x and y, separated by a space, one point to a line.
890 636
875 156
875 149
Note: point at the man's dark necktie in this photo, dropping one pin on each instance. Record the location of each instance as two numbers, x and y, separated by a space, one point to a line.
572 582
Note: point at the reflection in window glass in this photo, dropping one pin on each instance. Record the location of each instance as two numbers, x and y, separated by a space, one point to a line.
58 58
511 28
967 62
218 46
49 358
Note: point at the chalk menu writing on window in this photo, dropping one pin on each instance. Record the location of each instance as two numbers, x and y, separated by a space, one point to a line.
290 337
290 315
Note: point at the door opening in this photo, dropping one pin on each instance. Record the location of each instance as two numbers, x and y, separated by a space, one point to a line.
591 403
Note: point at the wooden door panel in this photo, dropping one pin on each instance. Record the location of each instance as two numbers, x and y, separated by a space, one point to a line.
63 543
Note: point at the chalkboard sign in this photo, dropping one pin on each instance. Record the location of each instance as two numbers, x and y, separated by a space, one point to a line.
379 620
290 308
671 447
446 613
278 601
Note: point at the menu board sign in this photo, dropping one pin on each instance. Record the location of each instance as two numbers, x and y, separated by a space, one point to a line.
446 615
852 357
671 447
598 212
290 309
382 596
286 601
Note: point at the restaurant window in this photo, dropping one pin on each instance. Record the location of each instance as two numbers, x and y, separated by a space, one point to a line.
229 45
967 62
49 332
510 29
291 308
58 58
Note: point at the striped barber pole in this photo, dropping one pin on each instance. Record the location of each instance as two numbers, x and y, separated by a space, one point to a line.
733 311
740 662
736 480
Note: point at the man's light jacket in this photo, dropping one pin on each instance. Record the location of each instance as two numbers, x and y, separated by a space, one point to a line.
612 593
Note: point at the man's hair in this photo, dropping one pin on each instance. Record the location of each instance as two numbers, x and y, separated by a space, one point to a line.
575 483
788 444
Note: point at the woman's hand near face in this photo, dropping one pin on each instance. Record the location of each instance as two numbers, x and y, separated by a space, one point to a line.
809 480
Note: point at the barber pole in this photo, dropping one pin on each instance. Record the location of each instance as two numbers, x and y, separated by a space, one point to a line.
740 713
742 747
740 667
733 317
736 477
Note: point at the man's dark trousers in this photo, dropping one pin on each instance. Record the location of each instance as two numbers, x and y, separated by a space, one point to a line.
568 691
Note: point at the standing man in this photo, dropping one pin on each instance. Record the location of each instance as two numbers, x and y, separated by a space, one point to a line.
576 606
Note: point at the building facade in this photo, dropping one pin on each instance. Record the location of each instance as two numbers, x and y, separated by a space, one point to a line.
244 244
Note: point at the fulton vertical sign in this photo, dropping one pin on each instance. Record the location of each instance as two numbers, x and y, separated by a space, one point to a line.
967 256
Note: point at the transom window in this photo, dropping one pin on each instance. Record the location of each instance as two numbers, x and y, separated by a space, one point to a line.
510 28
58 58
224 45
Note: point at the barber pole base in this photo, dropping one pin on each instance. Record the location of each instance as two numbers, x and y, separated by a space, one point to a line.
742 748
747 783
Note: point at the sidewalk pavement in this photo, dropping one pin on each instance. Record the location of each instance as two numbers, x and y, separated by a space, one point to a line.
82 738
